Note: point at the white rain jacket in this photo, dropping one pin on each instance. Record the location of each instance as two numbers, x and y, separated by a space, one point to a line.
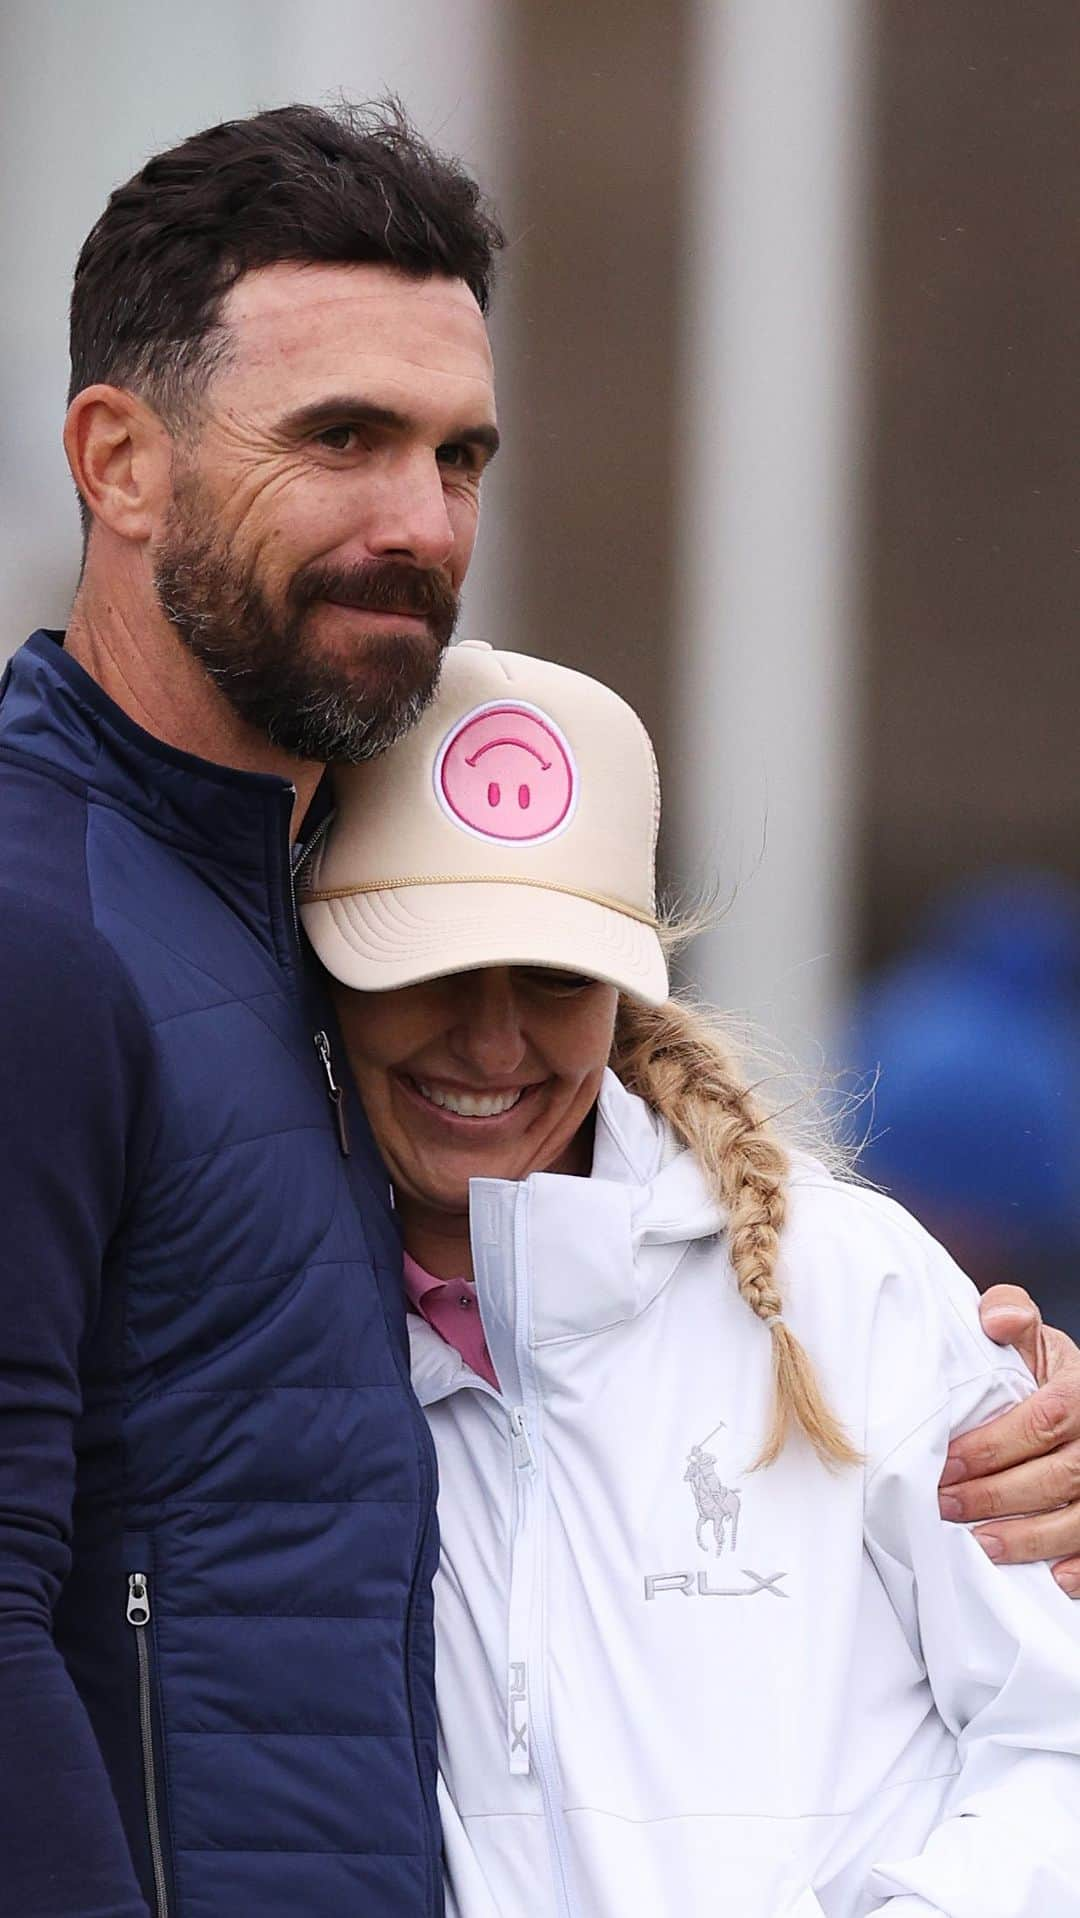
669 1685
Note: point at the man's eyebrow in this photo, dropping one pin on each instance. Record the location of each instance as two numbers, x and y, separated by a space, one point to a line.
347 409
486 437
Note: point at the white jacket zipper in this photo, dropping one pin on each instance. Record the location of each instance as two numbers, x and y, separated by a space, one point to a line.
527 1573
522 1581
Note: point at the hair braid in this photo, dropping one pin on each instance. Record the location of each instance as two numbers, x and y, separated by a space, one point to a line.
676 1059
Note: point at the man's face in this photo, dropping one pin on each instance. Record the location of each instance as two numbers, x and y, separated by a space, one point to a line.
324 517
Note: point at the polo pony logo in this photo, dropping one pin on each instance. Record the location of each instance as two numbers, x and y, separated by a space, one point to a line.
717 1505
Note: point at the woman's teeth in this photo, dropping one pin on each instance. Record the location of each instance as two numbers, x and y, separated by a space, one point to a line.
470 1105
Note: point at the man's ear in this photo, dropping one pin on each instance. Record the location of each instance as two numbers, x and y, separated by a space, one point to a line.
120 455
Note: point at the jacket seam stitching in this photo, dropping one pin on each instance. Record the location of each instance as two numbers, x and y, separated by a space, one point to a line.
759 1817
987 1372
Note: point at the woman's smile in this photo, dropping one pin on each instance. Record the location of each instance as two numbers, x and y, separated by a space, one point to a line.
491 1074
479 1109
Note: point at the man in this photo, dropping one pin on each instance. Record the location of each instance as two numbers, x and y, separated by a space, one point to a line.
216 1488
216 1496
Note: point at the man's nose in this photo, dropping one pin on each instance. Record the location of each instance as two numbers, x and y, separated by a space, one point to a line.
410 519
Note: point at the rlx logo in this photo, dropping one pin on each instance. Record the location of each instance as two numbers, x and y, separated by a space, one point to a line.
699 1585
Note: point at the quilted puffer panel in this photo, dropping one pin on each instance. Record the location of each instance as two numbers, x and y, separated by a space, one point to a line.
274 1459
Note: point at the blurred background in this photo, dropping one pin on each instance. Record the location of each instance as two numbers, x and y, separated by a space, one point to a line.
787 343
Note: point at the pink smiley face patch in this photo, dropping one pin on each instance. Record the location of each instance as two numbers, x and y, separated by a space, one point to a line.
506 773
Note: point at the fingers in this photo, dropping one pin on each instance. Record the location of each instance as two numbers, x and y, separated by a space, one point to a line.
1007 1298
1067 1573
1061 1354
1024 1541
1010 1316
1049 1418
1028 1460
1039 1485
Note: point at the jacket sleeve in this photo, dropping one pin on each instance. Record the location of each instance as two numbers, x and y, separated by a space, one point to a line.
73 1071
1001 1647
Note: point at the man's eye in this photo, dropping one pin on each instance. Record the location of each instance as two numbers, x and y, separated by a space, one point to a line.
460 459
338 438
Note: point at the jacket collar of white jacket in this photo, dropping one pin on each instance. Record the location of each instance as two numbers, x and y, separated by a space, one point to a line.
578 1255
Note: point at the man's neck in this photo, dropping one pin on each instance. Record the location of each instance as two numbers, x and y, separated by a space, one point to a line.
140 662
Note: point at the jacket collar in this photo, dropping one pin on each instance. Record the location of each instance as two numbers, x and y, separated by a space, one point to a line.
596 1252
52 711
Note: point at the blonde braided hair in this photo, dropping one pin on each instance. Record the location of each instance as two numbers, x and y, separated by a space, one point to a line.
678 1060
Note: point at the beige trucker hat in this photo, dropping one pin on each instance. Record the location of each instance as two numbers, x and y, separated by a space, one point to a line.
514 825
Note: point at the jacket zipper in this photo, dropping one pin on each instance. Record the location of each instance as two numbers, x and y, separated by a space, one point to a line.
337 1097
435 1881
322 1043
294 871
529 1457
522 1579
138 1616
337 1100
290 873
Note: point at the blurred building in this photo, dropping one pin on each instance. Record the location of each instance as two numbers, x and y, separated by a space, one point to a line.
787 346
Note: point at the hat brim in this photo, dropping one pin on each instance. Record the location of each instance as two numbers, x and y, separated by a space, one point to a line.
378 941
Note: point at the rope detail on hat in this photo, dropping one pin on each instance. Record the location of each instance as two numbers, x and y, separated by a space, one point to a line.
319 893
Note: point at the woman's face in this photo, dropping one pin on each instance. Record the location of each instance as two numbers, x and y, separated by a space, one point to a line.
489 1074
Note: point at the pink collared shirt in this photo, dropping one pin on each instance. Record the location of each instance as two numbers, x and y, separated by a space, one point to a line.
450 1308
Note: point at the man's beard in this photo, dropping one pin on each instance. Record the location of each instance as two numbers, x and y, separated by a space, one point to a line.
342 705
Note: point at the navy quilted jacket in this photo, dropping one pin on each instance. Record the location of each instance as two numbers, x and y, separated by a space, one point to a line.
216 1489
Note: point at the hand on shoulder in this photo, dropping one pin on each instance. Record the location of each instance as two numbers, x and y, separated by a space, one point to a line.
1027 1461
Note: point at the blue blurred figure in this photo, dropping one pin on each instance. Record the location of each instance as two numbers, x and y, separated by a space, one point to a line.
974 1036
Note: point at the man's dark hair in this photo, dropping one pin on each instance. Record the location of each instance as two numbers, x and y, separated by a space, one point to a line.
297 183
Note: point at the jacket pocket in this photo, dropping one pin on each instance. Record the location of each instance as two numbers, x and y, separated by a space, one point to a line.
139 1613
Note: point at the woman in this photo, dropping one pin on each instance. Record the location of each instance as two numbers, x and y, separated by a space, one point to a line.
670 1682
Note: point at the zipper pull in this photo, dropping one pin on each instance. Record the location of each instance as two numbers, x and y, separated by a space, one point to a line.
138 1605
524 1457
337 1097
